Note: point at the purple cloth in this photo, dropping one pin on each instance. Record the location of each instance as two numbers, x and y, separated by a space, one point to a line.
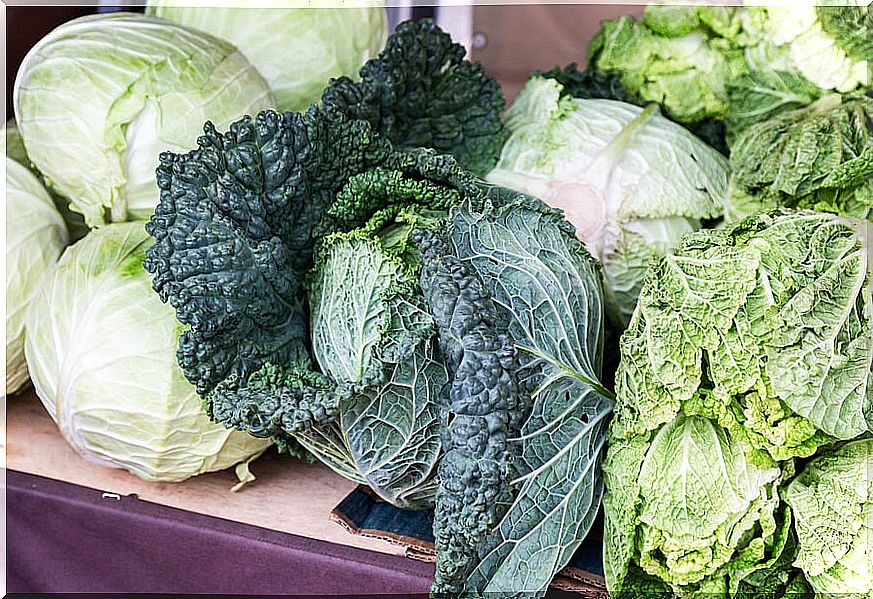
64 538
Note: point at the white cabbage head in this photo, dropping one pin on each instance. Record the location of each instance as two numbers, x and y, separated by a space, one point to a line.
35 237
99 98
629 180
297 49
102 354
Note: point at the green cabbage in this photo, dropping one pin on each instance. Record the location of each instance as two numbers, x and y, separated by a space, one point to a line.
629 180
832 500
750 346
101 351
693 59
297 50
35 237
100 97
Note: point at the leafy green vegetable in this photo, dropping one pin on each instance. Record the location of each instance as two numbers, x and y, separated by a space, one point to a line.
99 347
819 156
749 346
592 85
420 92
683 72
127 87
35 237
297 50
630 181
738 63
832 500
546 291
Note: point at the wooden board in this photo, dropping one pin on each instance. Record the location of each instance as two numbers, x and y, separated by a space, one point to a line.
287 496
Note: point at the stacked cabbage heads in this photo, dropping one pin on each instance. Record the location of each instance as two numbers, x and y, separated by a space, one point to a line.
749 350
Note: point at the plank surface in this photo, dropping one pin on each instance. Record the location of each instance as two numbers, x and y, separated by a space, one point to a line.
287 496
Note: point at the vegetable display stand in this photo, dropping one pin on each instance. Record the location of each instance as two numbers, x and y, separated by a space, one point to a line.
76 527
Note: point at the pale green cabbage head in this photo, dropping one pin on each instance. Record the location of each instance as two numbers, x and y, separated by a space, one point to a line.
35 237
102 354
99 98
297 50
629 180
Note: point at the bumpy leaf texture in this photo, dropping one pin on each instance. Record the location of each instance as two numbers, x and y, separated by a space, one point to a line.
833 502
420 92
371 413
234 235
819 156
750 346
546 293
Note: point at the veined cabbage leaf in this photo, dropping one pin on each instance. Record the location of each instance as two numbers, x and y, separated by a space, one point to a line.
35 237
629 180
100 97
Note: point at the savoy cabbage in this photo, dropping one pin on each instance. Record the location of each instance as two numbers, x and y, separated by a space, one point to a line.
750 346
393 314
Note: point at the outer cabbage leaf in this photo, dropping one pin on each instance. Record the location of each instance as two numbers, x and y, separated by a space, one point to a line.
297 49
35 237
100 348
819 157
420 92
731 325
592 85
630 181
100 97
370 330
832 500
546 289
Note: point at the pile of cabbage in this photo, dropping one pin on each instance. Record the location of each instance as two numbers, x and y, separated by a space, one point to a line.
215 246
96 101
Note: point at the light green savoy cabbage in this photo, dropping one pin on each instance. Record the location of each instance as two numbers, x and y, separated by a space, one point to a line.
832 501
629 180
99 98
750 346
699 61
296 49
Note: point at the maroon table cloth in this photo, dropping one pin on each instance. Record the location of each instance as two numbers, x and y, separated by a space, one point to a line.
65 538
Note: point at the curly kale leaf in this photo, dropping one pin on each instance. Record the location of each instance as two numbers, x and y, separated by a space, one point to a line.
548 293
420 92
593 84
276 401
483 400
234 235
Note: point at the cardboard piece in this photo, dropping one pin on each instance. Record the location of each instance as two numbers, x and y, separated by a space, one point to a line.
363 513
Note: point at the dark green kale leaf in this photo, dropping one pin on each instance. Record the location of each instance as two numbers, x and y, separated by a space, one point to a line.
482 397
234 235
420 92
